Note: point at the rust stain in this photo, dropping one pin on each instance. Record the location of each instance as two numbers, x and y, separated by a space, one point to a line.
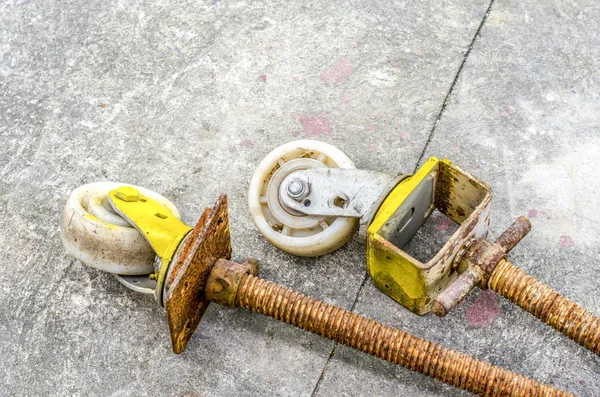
186 301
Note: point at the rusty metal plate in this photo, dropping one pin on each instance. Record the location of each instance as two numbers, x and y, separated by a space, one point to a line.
186 280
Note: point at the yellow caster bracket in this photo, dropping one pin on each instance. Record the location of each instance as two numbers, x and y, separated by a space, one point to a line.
388 211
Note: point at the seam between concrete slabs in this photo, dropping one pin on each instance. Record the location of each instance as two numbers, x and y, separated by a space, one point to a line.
458 73
335 346
315 392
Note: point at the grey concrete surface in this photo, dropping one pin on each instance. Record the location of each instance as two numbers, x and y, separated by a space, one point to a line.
186 98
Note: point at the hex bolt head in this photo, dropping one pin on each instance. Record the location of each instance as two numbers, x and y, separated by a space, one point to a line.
297 189
128 194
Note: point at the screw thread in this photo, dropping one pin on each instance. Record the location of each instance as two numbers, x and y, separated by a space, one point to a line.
386 342
547 305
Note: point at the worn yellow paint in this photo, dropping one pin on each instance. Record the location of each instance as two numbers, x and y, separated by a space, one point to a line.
399 194
106 224
458 195
394 274
163 230
158 225
393 271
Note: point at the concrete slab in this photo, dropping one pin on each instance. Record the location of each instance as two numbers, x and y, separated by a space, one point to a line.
186 98
522 117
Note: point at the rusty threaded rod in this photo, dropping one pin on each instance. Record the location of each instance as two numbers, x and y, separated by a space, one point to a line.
385 342
546 304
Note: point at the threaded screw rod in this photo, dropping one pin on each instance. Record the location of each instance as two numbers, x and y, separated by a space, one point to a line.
501 276
546 304
385 342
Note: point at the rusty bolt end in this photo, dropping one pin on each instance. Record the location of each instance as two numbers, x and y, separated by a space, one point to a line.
252 265
480 260
224 280
128 193
515 233
455 292
438 309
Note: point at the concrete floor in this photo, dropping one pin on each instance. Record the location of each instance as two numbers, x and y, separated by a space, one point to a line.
186 98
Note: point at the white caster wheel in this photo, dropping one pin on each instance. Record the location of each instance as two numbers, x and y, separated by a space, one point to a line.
94 234
287 229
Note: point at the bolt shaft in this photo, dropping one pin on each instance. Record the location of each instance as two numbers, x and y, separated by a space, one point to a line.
546 304
385 342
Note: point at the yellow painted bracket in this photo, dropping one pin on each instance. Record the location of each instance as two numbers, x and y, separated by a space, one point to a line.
163 230
441 185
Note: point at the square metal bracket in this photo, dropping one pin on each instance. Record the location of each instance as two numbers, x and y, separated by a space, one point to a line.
438 184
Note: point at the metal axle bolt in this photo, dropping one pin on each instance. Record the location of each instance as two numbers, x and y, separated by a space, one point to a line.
297 189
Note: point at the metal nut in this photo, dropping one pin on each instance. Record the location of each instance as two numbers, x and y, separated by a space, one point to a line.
297 189
224 280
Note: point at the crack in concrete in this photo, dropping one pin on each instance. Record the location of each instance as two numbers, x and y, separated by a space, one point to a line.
335 346
315 392
458 73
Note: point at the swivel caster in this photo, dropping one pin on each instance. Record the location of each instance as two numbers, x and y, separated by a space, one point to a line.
298 232
93 233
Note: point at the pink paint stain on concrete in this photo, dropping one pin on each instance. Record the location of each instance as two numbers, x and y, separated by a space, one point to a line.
370 128
338 72
232 149
508 110
443 225
354 44
296 78
295 133
371 147
455 149
396 64
405 136
533 213
246 144
314 125
345 97
545 214
566 241
483 311
262 78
